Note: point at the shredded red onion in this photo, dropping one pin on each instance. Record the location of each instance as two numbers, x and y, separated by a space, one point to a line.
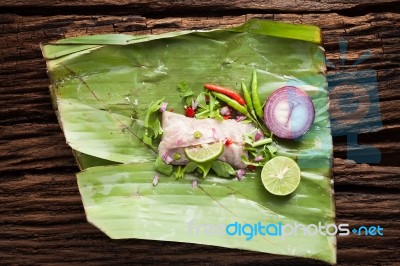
195 103
258 136
163 107
167 159
240 118
155 179
240 173
225 111
194 184
259 158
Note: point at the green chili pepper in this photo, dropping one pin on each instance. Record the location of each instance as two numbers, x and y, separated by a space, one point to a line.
232 103
177 156
247 97
197 134
255 96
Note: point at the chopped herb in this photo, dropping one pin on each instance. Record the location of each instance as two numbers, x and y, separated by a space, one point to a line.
190 167
185 92
197 134
152 124
223 169
177 156
162 167
207 106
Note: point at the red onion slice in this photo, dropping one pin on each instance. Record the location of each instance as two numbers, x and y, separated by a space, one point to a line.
289 112
225 111
240 118
155 179
163 107
258 136
240 173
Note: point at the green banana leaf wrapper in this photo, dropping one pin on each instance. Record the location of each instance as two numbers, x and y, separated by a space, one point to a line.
101 87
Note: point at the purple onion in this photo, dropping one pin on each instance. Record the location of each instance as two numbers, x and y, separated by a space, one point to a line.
195 103
258 136
240 173
167 159
225 111
259 158
240 118
194 184
163 107
289 112
155 179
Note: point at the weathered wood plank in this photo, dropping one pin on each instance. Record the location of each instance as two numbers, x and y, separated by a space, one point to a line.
45 218
209 5
41 210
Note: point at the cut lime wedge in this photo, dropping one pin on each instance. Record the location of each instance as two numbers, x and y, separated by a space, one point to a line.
205 152
281 175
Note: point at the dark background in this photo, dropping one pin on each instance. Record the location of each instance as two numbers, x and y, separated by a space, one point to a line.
42 220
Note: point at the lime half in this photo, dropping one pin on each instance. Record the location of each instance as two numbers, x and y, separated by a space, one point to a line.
205 152
281 175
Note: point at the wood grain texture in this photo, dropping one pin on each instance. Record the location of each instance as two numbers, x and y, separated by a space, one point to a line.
287 6
42 220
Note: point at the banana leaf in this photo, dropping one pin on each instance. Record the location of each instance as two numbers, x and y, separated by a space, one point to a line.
101 87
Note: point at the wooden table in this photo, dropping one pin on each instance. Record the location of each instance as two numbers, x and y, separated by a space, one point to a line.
41 215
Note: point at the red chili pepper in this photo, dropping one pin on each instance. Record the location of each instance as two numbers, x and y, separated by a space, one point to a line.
225 91
228 142
226 117
189 112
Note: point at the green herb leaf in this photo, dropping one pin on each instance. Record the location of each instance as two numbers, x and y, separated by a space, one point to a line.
223 169
162 167
201 100
210 109
272 149
184 90
152 123
205 168
190 167
247 162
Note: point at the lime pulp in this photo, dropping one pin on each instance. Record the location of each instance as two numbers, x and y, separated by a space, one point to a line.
281 176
